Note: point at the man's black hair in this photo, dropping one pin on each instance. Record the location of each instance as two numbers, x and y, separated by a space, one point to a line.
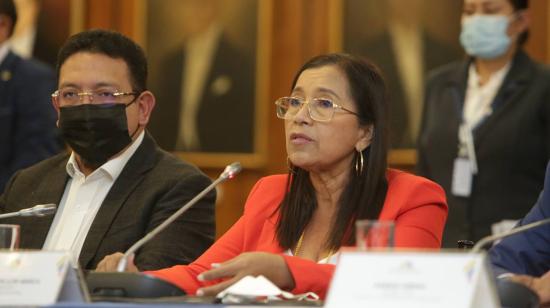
112 44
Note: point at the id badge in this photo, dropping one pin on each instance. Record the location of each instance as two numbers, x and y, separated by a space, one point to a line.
462 177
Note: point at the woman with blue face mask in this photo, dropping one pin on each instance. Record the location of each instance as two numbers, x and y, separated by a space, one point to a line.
485 134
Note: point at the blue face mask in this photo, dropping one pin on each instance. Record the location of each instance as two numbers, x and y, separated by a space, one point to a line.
485 36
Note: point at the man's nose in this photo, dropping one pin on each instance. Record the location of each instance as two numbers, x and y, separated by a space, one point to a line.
86 98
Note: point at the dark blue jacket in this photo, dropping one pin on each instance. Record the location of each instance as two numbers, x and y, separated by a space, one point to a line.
27 117
527 252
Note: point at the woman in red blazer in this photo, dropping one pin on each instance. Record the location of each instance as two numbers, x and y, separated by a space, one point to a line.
294 225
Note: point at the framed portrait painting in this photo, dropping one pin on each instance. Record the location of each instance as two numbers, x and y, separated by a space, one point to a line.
207 62
406 40
44 25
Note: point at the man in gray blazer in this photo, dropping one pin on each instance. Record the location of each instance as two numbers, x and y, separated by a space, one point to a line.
117 184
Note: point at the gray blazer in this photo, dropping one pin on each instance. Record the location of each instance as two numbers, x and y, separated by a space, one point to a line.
151 187
512 146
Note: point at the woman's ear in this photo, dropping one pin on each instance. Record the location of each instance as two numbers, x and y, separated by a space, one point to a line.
523 21
366 134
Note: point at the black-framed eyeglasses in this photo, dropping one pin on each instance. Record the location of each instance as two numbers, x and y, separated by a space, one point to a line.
71 97
319 109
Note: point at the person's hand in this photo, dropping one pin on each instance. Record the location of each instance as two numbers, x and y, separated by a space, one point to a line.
272 266
541 286
110 263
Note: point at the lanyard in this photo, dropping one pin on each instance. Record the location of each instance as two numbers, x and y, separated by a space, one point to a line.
466 147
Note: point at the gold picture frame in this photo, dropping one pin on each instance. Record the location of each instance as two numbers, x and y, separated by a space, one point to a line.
44 25
346 35
150 14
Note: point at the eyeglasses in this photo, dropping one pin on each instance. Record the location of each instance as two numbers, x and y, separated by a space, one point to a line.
319 109
71 97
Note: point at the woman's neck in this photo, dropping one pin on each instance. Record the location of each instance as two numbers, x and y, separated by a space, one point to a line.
329 186
485 68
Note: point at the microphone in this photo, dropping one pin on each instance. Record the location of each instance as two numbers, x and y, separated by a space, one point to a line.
228 173
39 210
491 238
512 294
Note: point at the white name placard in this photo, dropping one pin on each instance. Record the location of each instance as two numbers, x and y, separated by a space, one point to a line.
412 279
31 278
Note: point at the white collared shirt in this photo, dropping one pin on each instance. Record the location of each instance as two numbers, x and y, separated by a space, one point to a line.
478 100
82 199
330 259
199 56
4 49
23 43
408 46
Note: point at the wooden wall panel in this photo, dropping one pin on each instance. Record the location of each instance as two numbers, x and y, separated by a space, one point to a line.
537 45
300 30
100 14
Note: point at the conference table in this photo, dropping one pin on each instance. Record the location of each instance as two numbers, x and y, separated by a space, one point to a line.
174 304
347 290
167 305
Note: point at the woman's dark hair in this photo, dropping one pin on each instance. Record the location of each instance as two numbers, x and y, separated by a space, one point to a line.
365 194
518 6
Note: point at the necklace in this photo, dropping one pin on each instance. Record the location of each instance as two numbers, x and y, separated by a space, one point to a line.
298 245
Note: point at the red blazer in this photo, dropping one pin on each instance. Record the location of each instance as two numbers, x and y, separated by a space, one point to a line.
416 204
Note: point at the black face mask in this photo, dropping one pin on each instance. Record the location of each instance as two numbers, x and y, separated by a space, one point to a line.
95 131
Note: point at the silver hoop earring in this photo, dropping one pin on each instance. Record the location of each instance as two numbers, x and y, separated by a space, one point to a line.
359 163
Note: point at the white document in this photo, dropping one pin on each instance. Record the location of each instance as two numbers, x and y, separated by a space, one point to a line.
462 177
412 279
253 287
31 278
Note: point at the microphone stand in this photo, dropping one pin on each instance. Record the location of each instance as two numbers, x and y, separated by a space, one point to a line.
120 284
512 294
228 173
37 211
489 239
